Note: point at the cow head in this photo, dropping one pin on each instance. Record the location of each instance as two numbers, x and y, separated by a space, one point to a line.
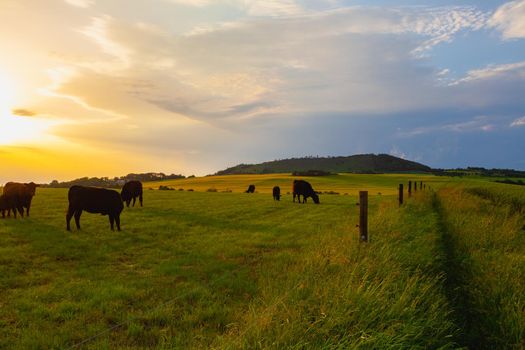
315 197
32 187
125 195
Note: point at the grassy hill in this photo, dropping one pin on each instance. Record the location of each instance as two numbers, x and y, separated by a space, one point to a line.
195 270
361 163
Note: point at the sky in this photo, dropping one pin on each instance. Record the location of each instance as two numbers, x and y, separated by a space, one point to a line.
105 88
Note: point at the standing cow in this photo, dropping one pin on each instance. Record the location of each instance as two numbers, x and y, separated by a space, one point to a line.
251 189
303 188
19 196
276 193
94 200
130 191
3 205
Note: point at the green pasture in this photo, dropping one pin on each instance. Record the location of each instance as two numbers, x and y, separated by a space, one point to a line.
384 184
229 270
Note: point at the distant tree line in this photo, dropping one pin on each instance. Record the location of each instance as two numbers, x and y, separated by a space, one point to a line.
115 182
477 171
312 173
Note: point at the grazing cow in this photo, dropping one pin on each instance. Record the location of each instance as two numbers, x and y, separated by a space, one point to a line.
19 196
303 188
251 189
3 205
131 190
94 200
276 193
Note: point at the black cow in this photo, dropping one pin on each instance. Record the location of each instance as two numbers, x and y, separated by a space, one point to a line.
276 193
131 190
251 189
303 188
3 205
19 196
94 200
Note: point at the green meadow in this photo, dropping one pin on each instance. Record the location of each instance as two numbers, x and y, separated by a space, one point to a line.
229 270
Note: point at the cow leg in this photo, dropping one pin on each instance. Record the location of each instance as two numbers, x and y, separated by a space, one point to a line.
134 200
127 203
117 221
21 211
77 218
111 221
69 215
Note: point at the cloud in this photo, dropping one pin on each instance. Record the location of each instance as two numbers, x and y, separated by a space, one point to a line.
98 32
518 122
395 151
477 124
350 60
23 112
80 3
492 71
442 24
196 3
273 8
362 61
510 20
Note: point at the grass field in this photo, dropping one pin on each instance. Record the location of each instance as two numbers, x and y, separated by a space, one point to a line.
234 270
343 183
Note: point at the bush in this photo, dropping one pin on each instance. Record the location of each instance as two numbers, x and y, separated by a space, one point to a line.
211 190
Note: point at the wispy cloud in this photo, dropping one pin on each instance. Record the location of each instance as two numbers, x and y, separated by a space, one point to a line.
516 69
277 8
80 3
510 20
518 122
23 112
99 33
477 124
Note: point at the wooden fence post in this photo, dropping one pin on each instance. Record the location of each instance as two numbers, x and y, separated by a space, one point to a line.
409 188
415 186
400 194
363 216
421 185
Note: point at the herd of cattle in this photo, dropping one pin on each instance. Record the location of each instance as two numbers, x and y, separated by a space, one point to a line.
18 196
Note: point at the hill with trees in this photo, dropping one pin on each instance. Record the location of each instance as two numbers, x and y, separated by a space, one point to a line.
361 163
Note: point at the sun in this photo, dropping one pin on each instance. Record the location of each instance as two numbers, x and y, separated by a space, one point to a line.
16 129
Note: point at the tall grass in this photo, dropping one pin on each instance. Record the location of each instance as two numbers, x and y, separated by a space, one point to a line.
489 246
338 293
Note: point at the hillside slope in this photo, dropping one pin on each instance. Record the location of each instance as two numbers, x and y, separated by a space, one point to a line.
356 163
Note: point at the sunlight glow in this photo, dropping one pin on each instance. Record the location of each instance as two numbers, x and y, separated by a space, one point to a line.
17 129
